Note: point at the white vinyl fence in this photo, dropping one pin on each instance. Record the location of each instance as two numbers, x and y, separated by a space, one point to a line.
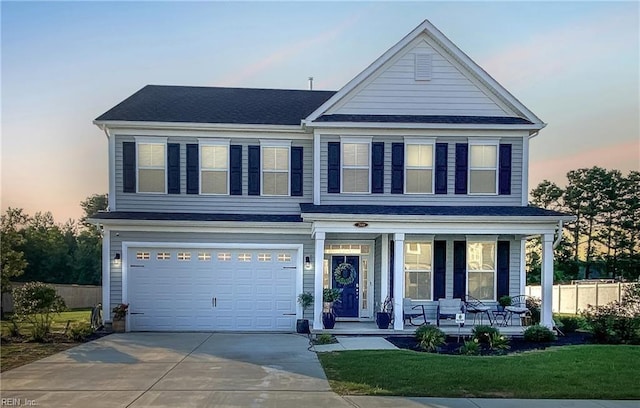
572 299
75 296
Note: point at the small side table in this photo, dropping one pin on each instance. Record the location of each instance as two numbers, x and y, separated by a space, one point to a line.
499 317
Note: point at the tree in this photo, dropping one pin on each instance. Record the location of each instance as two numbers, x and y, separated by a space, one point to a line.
37 303
92 205
12 261
46 251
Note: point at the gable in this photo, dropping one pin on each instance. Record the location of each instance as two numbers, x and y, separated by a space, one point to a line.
424 76
421 79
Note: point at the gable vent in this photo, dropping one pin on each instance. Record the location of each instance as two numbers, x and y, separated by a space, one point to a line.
423 67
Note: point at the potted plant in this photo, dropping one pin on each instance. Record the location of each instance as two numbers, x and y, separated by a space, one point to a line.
329 297
306 300
120 317
503 302
383 317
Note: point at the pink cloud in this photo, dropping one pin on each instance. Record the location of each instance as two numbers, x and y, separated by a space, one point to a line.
623 156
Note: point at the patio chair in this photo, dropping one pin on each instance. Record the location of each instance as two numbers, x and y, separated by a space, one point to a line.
448 308
476 307
518 307
413 312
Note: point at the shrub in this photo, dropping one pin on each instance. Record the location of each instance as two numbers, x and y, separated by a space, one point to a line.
80 331
617 322
498 342
482 334
37 303
533 304
430 338
539 334
470 348
325 338
569 324
14 329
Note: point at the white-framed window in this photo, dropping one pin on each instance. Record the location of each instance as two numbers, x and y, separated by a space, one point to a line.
184 256
264 257
244 257
356 166
284 257
163 256
418 270
204 256
275 168
483 168
214 167
152 172
224 256
481 269
418 169
143 256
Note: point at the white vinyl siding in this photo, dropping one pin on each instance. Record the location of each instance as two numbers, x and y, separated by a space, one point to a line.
418 174
275 171
214 169
423 67
481 269
483 168
355 167
152 168
418 270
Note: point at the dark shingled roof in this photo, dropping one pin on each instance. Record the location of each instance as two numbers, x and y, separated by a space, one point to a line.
492 211
161 216
439 119
159 103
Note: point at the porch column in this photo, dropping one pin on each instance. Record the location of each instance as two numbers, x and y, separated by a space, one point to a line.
546 312
523 266
384 269
398 281
317 284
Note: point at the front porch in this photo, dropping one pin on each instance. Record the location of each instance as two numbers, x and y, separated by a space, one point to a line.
449 328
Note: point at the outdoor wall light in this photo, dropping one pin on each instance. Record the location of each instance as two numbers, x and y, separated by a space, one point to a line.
307 263
117 257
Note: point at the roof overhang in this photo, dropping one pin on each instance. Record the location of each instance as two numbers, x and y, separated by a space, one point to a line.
393 125
143 125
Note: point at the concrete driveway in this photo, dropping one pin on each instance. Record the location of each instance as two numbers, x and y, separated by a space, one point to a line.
176 369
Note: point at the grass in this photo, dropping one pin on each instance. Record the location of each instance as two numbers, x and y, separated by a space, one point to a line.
19 352
587 371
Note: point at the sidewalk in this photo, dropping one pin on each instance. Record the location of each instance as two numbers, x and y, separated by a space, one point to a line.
401 402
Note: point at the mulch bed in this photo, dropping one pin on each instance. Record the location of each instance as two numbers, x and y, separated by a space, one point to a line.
518 344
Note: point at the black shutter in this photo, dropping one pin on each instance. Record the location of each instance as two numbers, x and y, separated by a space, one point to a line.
397 168
173 168
459 269
333 167
504 170
442 150
462 154
439 269
503 268
377 167
296 170
235 170
254 170
193 169
129 167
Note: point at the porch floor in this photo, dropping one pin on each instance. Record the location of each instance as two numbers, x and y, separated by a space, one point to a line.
449 327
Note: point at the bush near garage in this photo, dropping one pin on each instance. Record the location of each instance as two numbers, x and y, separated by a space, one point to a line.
37 303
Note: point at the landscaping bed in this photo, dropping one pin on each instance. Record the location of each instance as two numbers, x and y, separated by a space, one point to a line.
516 344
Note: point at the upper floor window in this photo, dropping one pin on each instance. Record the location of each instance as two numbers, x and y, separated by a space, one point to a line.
419 168
355 167
152 167
481 269
483 168
214 168
418 270
275 170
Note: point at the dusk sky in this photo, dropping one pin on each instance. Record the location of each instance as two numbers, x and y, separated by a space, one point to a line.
574 64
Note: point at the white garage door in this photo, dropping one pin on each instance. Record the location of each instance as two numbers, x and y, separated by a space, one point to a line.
182 289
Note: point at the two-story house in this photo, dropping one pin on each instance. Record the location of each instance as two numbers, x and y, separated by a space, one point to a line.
409 182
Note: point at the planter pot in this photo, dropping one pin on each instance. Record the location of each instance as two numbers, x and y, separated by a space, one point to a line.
383 319
302 326
500 308
118 326
328 320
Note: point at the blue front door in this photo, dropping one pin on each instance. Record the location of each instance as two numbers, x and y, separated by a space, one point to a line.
345 275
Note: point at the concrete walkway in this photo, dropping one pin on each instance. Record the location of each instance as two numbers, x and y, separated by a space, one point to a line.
356 343
211 370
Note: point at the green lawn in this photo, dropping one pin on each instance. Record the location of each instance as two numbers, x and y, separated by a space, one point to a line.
19 351
587 371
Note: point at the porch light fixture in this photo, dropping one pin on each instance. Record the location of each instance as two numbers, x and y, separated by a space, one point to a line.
307 263
361 224
117 257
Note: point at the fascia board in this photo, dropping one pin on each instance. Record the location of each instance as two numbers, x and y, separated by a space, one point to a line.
395 125
117 124
315 217
205 226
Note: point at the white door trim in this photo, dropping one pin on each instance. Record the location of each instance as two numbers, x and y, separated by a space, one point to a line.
149 244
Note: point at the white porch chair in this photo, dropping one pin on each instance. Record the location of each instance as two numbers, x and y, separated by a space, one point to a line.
448 308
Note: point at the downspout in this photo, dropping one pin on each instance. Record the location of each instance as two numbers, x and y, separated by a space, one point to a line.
559 238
